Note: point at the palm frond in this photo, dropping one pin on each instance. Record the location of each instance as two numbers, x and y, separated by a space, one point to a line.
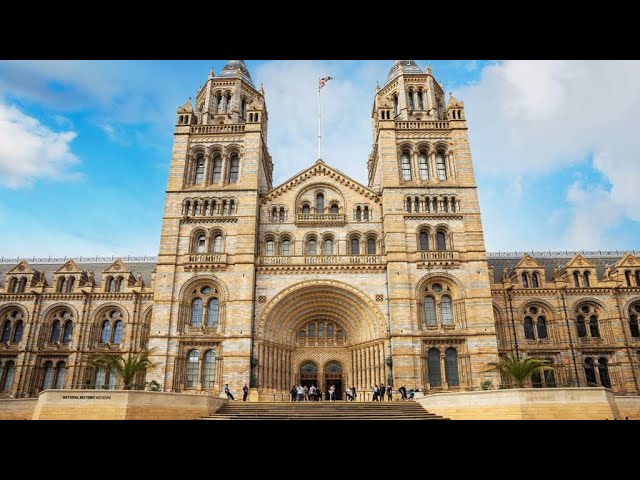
519 370
127 368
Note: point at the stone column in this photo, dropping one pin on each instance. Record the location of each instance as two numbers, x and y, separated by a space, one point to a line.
443 375
260 365
207 169
431 161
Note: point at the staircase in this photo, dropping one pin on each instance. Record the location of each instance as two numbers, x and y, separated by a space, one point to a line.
238 410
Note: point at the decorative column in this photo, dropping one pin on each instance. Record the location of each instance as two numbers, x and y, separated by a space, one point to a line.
431 161
443 372
207 169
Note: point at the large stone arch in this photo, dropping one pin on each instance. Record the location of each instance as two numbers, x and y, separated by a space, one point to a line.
329 299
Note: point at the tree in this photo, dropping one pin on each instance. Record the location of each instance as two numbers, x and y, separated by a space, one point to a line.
125 368
519 370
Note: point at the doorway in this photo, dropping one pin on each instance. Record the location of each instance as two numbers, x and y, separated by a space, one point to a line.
333 376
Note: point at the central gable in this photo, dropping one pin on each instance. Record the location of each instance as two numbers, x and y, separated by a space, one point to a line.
323 173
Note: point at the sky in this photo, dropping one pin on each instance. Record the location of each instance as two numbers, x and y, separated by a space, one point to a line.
85 146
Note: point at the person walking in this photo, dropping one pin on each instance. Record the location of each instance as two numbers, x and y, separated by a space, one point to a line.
294 393
389 391
381 392
228 391
374 393
353 394
332 393
403 392
348 392
245 392
300 393
312 393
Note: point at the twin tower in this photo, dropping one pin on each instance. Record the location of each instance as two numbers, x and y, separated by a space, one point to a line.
322 280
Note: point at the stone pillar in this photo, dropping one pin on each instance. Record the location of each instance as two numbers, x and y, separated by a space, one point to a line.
261 360
431 161
443 375
207 169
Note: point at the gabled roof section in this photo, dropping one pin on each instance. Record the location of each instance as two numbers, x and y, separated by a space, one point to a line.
628 260
22 267
117 267
578 261
69 267
316 171
528 262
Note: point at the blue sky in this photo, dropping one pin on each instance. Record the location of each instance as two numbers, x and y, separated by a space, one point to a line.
85 146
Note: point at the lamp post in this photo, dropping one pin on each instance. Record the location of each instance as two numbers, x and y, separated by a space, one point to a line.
513 323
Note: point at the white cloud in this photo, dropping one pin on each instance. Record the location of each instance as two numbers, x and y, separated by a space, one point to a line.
31 151
530 118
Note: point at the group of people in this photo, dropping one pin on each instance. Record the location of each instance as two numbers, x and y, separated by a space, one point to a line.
245 392
302 393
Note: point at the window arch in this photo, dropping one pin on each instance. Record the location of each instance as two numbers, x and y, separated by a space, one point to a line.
451 367
580 325
306 208
410 99
327 246
542 328
217 243
201 296
589 372
603 371
282 214
320 202
110 284
217 169
627 277
440 166
446 310
430 311
534 280
67 333
638 278
199 173
314 334
193 366
196 312
213 312
209 371
433 366
355 246
587 317
70 284
424 240
105 332
117 332
7 374
201 242
234 168
525 280
594 330
423 166
405 162
334 208
365 213
6 332
634 314
61 284
535 323
120 284
312 246
438 305
396 106
55 332
61 374
358 213
274 214
13 285
17 332
576 279
285 247
47 378
270 247
585 279
441 241
528 328
371 246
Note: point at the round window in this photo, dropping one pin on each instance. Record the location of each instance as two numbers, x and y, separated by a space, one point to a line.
205 290
436 287
585 309
533 310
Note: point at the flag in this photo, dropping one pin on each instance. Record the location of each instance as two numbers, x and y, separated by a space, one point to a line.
322 81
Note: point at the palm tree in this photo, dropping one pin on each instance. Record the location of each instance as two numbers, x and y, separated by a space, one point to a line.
519 370
125 368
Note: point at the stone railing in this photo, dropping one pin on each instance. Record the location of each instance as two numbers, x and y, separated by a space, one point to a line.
440 258
322 260
321 218
236 128
419 125
205 261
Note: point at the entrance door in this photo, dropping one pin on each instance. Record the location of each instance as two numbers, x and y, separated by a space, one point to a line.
333 376
309 374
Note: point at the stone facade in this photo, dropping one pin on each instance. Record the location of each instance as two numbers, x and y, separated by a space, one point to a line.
320 279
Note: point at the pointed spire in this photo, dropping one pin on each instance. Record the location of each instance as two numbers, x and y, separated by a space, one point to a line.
377 87
261 90
237 68
211 73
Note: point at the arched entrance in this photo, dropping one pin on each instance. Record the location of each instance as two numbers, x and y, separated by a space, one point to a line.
321 331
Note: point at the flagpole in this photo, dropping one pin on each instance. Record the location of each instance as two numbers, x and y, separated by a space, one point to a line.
319 125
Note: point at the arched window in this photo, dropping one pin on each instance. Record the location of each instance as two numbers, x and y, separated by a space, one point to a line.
585 279
68 332
409 205
9 374
328 247
306 208
528 328
105 333
446 311
213 312
6 332
13 285
410 99
320 203
274 214
117 332
71 284
282 214
196 312
112 381
47 378
424 241
55 332
416 204
542 328
580 325
61 374
534 280
525 280
285 247
550 378
334 209
217 244
451 367
312 329
638 278
366 213
17 332
330 330
536 380
110 284
61 284
100 377
355 246
358 214
193 365
441 241
593 326
633 321
430 311
371 246
406 166
396 107
234 168
312 246
576 280
219 103
209 373
321 329
627 276
270 248
199 171
440 166
433 365
589 372
420 104
217 169
200 244
603 370
120 284
424 166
